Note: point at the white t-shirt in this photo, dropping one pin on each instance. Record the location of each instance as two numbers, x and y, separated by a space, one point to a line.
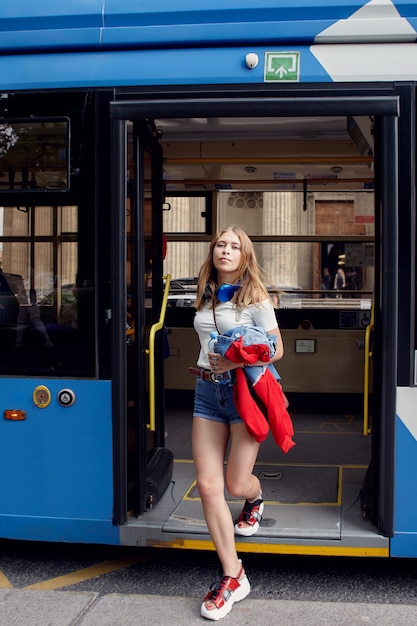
227 317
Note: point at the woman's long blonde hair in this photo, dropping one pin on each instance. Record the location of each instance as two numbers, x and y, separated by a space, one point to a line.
250 274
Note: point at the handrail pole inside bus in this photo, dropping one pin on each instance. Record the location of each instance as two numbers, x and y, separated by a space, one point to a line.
151 352
368 356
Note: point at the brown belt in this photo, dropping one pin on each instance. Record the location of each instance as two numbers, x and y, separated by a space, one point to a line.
201 373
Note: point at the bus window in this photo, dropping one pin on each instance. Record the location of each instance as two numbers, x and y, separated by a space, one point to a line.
322 256
187 213
46 316
34 154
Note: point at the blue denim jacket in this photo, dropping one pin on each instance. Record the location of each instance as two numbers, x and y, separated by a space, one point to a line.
252 335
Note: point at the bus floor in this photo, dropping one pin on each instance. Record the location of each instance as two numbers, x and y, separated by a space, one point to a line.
311 494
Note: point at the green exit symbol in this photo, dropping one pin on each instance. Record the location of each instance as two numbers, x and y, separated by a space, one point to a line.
282 66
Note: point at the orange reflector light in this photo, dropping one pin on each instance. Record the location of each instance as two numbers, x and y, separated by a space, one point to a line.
14 414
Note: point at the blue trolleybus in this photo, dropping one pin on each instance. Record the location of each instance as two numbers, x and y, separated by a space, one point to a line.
130 132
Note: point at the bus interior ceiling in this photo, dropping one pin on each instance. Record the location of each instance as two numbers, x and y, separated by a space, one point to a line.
330 157
268 153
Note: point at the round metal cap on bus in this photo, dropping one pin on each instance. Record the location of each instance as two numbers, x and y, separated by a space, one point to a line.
41 396
252 60
66 397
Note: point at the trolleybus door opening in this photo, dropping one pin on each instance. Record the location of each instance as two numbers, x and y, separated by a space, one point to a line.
137 298
384 110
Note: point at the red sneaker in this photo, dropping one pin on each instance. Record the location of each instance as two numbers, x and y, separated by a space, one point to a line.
251 515
222 595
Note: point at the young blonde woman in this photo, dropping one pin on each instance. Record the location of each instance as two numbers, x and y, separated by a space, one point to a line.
230 293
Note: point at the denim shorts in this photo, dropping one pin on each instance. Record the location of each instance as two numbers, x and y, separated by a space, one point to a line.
215 402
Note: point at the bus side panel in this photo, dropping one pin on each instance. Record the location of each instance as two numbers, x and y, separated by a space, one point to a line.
56 464
47 24
145 67
404 542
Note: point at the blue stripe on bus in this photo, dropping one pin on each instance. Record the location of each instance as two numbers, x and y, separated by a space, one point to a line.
152 67
47 24
27 15
300 32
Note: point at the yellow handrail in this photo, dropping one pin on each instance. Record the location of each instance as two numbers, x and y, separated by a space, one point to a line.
151 352
368 356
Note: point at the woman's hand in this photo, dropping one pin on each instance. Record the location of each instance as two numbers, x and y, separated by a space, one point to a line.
219 364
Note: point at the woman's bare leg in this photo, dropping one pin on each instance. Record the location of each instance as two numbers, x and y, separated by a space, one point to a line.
240 480
209 442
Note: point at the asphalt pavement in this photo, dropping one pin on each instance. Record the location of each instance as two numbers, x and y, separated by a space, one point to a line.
72 608
45 584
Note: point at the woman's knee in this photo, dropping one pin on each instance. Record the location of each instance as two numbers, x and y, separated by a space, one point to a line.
236 489
208 488
239 488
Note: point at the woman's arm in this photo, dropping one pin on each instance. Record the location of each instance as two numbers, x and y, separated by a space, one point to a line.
279 352
222 364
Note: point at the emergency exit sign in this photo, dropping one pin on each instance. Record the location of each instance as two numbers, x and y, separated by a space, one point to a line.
282 67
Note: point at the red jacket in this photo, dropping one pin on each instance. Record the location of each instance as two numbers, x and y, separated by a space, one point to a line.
266 389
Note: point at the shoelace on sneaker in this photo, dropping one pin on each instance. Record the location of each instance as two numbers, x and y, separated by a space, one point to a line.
250 513
221 591
223 594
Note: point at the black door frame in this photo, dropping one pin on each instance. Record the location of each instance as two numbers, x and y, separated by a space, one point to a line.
385 108
146 146
142 140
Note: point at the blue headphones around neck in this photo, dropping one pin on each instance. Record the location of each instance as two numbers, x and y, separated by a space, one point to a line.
226 292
